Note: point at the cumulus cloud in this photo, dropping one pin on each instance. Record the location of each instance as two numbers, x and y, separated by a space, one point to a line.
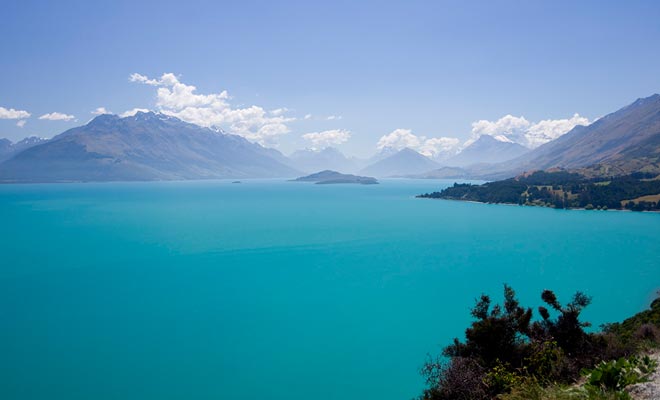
327 138
21 123
508 126
132 112
101 111
13 114
519 130
440 146
398 139
135 77
180 100
431 147
333 117
57 116
550 129
308 116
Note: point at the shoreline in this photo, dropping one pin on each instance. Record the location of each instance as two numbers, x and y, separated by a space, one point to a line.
535 206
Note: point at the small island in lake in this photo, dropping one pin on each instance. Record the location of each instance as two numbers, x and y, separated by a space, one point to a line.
329 177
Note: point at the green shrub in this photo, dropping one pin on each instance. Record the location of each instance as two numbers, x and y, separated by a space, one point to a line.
500 379
531 389
617 374
498 334
566 329
546 362
507 356
640 331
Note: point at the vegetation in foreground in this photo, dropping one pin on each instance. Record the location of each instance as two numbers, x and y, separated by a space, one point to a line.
509 356
563 189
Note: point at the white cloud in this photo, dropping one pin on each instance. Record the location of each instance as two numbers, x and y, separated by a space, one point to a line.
550 129
21 123
333 117
327 138
132 112
56 116
503 138
440 146
13 114
278 111
214 110
521 131
398 139
430 147
135 77
101 111
308 116
509 126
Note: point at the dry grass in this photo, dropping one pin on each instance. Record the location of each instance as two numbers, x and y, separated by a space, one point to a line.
650 198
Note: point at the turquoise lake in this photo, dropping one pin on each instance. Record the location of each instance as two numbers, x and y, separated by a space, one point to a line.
279 290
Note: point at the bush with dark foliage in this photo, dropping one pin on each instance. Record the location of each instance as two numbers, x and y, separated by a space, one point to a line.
498 334
504 349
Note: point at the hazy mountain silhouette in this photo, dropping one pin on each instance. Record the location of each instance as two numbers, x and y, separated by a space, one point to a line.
147 146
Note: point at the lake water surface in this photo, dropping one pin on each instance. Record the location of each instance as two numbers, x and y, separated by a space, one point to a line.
279 290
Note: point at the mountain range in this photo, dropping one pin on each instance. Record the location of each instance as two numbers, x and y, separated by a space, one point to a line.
147 146
9 149
620 142
486 150
154 146
404 162
625 141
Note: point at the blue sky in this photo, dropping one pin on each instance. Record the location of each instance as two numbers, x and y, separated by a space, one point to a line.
428 69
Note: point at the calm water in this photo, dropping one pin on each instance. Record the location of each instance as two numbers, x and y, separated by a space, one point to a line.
278 290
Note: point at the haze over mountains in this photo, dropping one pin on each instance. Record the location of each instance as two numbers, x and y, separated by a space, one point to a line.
147 146
621 142
329 158
154 146
9 149
401 163
487 150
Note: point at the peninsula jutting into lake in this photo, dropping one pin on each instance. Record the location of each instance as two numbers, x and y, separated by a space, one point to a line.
639 191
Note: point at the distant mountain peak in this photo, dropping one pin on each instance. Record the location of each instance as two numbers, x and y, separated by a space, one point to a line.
640 102
408 150
327 158
31 140
152 115
404 162
103 120
145 146
487 149
625 140
139 115
653 97
9 149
